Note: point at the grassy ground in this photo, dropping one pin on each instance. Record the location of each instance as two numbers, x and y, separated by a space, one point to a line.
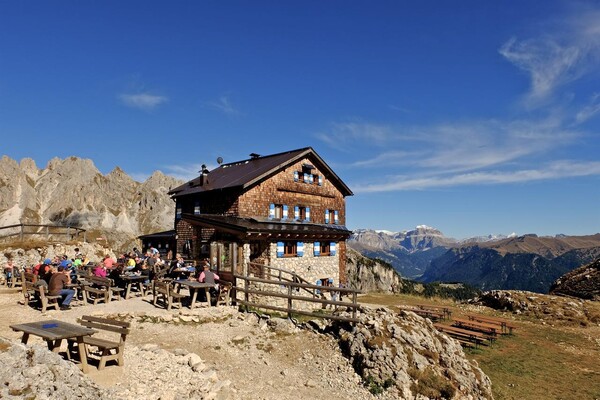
539 361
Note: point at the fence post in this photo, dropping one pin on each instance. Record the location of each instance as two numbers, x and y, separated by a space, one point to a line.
289 305
22 227
354 305
47 233
84 240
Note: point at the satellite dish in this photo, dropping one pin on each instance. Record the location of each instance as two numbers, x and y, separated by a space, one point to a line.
220 160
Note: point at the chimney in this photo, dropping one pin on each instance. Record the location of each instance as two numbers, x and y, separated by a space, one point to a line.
203 175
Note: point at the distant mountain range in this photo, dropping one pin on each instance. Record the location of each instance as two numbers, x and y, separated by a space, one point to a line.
526 262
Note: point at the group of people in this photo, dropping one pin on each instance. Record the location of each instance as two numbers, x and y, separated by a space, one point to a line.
58 273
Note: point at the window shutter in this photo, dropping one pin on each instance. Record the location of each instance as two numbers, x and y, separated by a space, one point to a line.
320 180
285 212
326 216
317 248
300 249
308 213
310 178
296 213
271 211
178 212
197 208
295 176
318 283
279 249
336 216
305 178
332 247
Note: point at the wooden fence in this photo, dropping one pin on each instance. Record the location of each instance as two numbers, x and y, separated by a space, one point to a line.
293 288
47 232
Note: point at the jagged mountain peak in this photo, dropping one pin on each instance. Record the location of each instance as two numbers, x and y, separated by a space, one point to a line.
73 191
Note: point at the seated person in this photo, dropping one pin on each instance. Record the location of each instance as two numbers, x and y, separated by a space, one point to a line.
100 271
57 286
8 270
207 276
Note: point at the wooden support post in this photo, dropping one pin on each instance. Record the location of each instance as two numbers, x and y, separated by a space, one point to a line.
289 305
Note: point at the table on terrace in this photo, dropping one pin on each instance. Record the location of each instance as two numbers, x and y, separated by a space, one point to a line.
194 286
53 332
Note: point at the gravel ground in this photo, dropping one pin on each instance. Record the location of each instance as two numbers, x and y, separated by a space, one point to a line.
260 362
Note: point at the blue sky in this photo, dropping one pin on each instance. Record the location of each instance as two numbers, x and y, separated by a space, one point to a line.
473 117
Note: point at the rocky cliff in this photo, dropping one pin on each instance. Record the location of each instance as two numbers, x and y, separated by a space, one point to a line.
368 275
583 282
74 192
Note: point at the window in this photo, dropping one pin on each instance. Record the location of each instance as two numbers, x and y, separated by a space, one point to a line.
332 217
325 248
307 177
288 249
302 213
178 211
278 211
197 208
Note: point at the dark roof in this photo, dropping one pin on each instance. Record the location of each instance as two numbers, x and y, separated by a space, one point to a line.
246 173
161 235
249 228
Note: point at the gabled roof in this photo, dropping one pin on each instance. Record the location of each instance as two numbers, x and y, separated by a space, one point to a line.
246 173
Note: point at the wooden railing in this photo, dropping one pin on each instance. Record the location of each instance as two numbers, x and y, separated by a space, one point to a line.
295 289
48 232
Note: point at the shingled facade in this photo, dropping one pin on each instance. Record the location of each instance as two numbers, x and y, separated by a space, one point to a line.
286 210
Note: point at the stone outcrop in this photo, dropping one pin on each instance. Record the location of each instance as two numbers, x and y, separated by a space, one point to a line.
402 355
583 282
74 192
550 309
368 275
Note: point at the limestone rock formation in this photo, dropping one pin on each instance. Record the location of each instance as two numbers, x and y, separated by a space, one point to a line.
368 275
74 192
583 282
401 355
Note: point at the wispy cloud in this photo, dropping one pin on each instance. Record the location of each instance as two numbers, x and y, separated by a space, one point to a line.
571 49
142 101
555 170
464 146
184 172
346 135
224 105
590 110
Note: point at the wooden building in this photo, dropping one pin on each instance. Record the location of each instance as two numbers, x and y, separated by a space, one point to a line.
285 210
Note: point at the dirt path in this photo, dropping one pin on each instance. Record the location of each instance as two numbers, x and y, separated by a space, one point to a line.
261 363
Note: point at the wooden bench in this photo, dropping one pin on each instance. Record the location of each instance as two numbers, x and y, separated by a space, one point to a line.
490 329
466 333
35 292
105 347
101 289
461 335
169 295
223 297
431 314
504 324
445 311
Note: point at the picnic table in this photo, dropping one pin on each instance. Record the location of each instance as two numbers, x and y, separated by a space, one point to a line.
193 287
131 279
490 329
54 332
464 334
504 324
446 311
